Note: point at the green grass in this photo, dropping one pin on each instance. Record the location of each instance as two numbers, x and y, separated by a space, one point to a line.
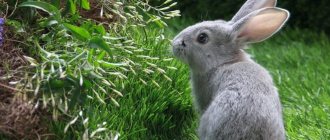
146 111
298 60
300 64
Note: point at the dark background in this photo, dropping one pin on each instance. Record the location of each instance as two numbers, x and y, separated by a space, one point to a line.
305 14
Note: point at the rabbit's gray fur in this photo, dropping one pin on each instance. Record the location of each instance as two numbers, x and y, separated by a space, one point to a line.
235 96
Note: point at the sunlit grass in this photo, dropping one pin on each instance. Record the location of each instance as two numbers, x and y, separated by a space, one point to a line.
146 111
298 61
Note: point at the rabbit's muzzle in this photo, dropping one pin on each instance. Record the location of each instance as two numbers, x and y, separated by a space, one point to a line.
179 47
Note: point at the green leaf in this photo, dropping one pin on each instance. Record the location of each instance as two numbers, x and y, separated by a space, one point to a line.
97 42
87 84
72 7
101 55
52 10
90 55
85 4
78 32
111 65
57 84
100 29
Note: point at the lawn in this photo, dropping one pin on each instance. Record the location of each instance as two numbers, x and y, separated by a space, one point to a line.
299 63
297 59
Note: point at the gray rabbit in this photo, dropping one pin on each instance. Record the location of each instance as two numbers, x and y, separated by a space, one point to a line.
235 96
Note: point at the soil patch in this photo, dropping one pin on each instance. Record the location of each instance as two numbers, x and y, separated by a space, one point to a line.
19 118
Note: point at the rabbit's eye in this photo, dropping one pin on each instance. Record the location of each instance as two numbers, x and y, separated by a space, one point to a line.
203 38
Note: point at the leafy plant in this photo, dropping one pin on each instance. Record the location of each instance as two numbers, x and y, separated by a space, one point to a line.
79 58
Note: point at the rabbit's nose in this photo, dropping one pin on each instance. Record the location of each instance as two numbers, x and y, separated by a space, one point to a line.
183 44
179 43
176 42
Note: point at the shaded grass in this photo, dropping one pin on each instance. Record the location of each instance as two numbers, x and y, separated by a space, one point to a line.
298 61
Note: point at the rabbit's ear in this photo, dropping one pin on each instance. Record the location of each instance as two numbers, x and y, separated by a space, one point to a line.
260 25
252 5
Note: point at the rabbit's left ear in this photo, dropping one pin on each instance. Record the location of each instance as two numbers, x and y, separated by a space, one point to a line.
252 5
260 25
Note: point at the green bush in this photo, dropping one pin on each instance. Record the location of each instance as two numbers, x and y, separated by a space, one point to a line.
304 13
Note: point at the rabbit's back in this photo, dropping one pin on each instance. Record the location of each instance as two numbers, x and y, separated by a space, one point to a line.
244 106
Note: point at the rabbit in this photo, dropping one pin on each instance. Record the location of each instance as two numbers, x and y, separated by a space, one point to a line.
235 97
